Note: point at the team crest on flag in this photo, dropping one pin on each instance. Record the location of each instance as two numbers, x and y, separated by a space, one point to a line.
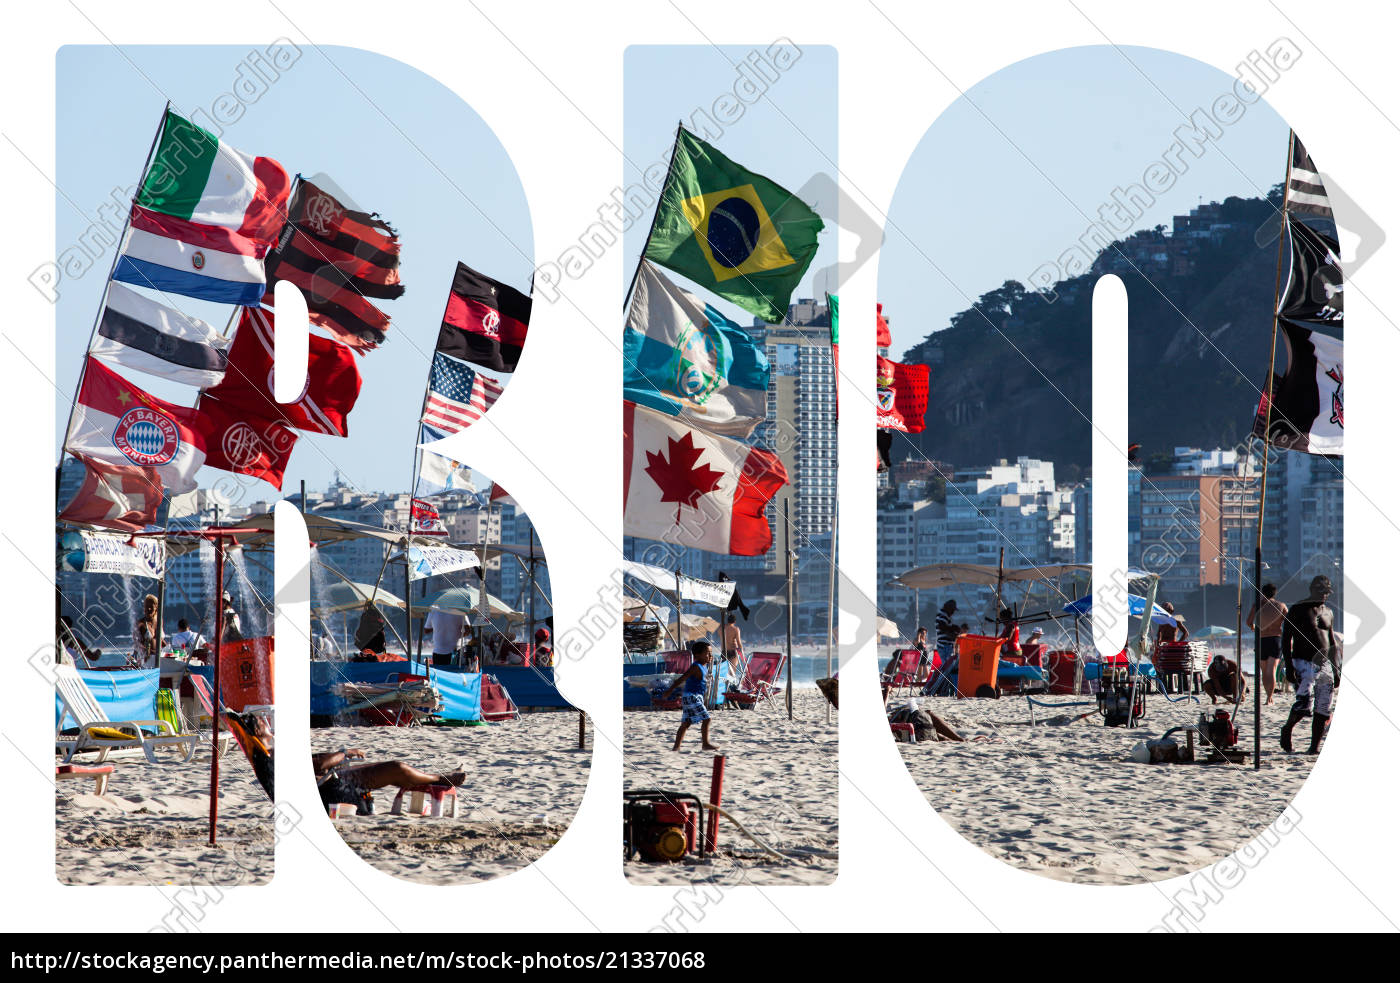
698 362
735 233
146 437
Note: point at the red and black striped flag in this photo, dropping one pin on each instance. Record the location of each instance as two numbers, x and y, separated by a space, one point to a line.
485 321
338 257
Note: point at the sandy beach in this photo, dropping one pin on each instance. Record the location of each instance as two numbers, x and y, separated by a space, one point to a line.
527 778
1064 800
152 825
780 782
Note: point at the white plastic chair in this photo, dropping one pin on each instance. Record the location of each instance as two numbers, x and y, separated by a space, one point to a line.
79 704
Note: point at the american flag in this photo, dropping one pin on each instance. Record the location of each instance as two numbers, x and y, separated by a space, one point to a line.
457 395
1305 191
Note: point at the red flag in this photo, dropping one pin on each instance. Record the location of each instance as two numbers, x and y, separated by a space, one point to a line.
882 328
115 496
901 393
244 445
332 379
499 494
423 515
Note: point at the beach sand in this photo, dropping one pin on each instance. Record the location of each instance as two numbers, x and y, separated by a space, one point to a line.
527 779
780 782
1065 801
152 825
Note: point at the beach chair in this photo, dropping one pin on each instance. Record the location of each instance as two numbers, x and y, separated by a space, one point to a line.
905 674
98 773
496 704
761 676
200 685
96 733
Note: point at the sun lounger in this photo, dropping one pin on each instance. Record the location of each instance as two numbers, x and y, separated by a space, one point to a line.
496 704
200 685
96 733
98 773
761 676
906 671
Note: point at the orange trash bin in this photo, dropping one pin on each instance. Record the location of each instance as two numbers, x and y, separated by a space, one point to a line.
978 657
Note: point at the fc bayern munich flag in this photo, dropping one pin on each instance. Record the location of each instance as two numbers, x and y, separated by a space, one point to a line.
115 496
485 321
686 486
244 445
118 423
901 394
332 379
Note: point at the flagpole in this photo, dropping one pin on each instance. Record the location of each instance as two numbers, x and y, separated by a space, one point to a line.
787 548
107 286
675 145
831 604
1268 424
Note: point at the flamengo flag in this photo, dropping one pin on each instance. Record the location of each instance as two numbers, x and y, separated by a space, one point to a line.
485 321
137 333
244 445
115 496
684 359
208 262
326 238
196 178
332 379
1307 411
457 395
901 393
118 423
1305 191
732 231
685 486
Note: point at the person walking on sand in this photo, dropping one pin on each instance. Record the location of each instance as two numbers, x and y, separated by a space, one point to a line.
1267 615
1312 662
733 641
696 680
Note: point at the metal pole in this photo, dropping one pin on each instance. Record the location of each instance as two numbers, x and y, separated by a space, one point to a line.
675 144
1268 424
218 685
831 606
787 547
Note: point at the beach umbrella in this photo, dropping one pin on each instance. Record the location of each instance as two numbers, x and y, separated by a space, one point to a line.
697 626
1136 606
466 600
351 596
1213 631
887 628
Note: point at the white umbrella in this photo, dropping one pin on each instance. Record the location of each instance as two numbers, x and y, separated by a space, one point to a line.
345 595
466 600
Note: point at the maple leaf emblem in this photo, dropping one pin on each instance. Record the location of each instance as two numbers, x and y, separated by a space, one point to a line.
676 474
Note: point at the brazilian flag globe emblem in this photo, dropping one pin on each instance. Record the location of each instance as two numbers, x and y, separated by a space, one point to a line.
735 232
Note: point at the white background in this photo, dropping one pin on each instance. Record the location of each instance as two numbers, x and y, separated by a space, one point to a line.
901 867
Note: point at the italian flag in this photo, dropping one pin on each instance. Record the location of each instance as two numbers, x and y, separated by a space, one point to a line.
195 177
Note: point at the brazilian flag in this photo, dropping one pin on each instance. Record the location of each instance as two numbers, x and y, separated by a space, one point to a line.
731 230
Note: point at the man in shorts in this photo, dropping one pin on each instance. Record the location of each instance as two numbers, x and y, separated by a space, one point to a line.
1312 661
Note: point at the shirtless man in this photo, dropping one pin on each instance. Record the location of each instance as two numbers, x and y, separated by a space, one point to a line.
733 640
1312 662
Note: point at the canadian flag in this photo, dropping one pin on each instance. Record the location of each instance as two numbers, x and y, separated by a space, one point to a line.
115 496
695 489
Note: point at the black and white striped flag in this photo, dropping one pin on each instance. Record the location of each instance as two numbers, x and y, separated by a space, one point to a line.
138 333
1306 194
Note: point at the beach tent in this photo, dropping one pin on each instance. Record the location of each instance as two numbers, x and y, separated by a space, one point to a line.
1136 606
467 600
949 574
351 596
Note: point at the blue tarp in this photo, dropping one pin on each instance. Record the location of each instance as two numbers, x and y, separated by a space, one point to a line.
1093 669
530 686
461 691
125 695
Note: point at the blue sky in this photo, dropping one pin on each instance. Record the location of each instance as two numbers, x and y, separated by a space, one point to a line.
972 200
789 135
312 119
